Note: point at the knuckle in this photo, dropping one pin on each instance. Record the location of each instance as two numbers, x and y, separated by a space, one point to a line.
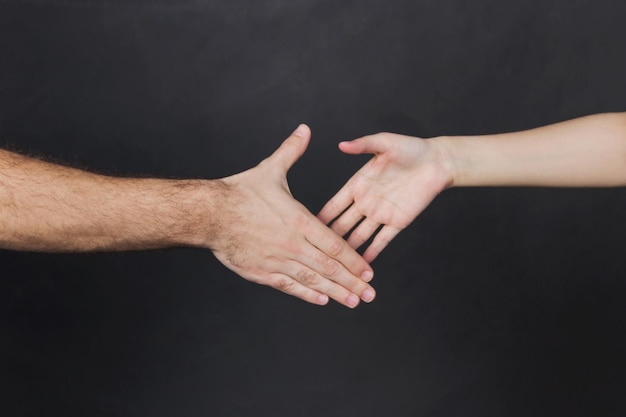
336 248
284 284
308 277
329 266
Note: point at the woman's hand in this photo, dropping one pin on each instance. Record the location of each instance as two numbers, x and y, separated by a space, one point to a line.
388 192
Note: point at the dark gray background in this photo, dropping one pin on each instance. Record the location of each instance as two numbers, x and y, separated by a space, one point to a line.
495 302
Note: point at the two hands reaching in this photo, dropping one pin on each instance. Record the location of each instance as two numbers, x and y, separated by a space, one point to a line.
256 228
249 220
274 240
277 242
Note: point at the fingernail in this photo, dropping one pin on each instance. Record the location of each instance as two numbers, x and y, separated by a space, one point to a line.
301 131
368 295
367 276
322 299
353 300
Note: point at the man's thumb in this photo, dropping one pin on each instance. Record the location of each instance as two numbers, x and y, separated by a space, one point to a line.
292 148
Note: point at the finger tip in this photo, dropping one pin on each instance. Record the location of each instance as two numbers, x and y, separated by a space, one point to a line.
352 148
352 301
367 276
322 300
368 295
343 145
302 131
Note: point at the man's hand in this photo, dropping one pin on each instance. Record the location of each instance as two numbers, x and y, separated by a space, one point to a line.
390 190
267 237
250 221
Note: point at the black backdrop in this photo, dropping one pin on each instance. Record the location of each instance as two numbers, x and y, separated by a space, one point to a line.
495 302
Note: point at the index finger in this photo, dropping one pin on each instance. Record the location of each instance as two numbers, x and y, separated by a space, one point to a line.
334 246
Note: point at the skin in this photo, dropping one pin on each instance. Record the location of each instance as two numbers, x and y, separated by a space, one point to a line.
250 221
407 173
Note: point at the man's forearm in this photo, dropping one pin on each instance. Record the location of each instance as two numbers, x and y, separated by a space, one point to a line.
47 207
585 152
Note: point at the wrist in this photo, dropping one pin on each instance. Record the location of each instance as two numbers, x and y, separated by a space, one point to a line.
200 222
445 160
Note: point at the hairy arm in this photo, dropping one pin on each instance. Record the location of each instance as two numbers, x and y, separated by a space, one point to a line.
52 208
407 173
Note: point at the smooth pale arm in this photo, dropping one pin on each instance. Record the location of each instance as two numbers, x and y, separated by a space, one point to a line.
584 152
407 173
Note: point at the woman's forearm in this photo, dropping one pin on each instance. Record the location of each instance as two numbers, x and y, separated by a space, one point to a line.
407 173
585 152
